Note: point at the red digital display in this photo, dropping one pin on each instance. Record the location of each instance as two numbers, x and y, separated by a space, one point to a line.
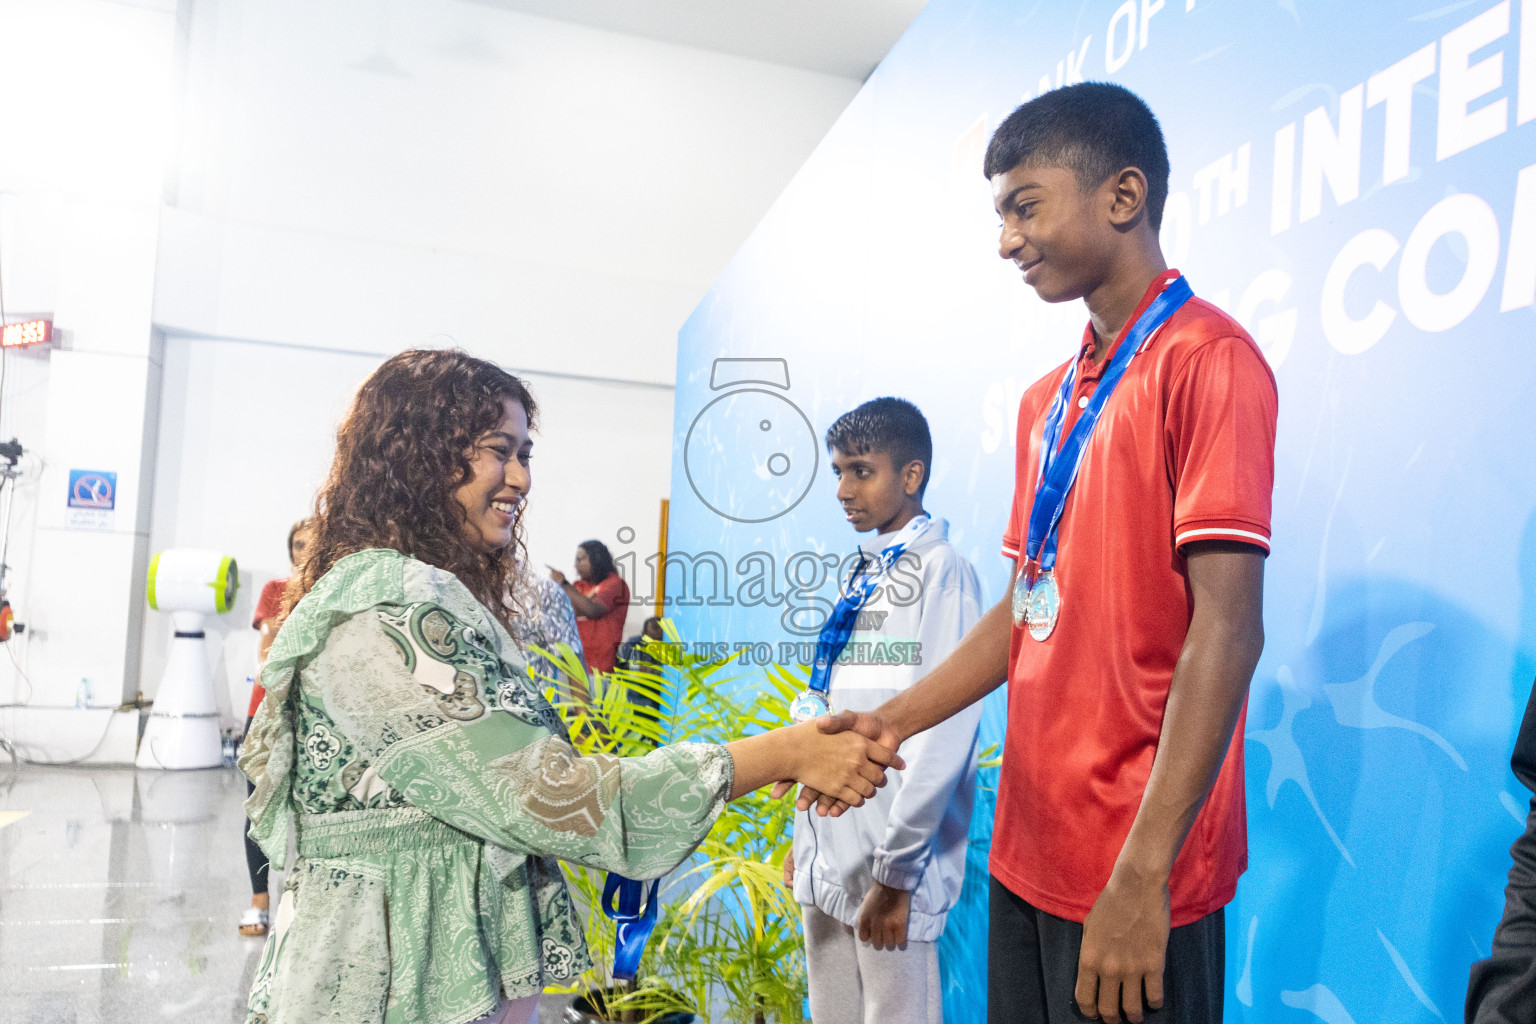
28 332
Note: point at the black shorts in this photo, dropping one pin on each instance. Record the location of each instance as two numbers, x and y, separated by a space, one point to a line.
1032 967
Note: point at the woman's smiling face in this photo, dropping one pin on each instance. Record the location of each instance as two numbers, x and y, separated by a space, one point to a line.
498 481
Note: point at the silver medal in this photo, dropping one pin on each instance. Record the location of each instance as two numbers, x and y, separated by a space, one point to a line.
1042 606
1020 599
807 705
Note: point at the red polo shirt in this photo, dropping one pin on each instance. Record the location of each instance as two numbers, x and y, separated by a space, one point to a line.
268 606
600 637
1184 450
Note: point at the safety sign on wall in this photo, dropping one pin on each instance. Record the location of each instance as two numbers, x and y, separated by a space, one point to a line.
92 499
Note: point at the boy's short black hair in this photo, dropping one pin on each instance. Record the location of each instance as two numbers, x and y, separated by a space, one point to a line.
893 426
1093 129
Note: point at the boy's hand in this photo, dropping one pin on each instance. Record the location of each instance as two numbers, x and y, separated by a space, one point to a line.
883 917
789 868
1125 941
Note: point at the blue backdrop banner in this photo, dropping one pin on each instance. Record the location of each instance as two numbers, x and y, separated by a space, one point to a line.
1355 183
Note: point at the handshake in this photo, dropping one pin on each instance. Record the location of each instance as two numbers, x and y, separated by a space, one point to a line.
841 760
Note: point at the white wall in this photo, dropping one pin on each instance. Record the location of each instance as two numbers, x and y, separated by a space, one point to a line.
369 174
86 119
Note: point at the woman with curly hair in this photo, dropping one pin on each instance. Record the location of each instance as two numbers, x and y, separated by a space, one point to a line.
431 785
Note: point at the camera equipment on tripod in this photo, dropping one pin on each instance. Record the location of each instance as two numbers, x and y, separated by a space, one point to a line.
11 452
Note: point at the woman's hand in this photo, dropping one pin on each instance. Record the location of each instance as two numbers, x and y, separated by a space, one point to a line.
843 766
557 575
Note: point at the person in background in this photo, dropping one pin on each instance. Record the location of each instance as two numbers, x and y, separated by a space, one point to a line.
547 621
601 599
632 652
268 617
1502 988
634 657
875 888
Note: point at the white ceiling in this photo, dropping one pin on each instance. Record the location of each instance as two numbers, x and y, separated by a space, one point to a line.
846 38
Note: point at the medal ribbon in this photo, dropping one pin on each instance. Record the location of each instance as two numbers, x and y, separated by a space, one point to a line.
845 614
1058 468
634 922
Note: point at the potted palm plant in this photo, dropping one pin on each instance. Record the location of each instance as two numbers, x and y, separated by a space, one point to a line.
727 944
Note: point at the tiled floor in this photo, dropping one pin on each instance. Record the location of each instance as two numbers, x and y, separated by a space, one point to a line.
119 895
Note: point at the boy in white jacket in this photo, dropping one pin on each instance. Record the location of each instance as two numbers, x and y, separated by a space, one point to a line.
877 885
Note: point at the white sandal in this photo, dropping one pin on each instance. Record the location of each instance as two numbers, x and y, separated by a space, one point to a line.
254 917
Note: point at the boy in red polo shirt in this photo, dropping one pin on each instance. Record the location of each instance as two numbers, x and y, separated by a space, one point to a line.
1134 623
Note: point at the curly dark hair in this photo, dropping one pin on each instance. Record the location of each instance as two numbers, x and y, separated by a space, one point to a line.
402 449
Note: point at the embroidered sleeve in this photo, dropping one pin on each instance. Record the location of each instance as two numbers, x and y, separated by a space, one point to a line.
462 734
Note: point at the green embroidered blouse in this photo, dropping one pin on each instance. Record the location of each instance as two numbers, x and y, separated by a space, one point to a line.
433 787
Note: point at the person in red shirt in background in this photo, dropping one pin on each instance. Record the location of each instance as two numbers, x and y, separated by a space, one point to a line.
1134 622
268 619
601 600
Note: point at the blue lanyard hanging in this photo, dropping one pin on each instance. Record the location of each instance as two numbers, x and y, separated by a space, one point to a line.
1058 468
634 921
845 614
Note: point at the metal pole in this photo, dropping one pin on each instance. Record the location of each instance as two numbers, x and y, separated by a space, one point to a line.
661 565
8 484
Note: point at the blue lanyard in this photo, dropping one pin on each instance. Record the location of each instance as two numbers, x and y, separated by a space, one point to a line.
845 614
634 922
1058 468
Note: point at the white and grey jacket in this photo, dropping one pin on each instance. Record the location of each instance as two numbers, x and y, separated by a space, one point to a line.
911 834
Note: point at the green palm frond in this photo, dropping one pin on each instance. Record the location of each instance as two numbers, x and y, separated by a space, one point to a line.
727 941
